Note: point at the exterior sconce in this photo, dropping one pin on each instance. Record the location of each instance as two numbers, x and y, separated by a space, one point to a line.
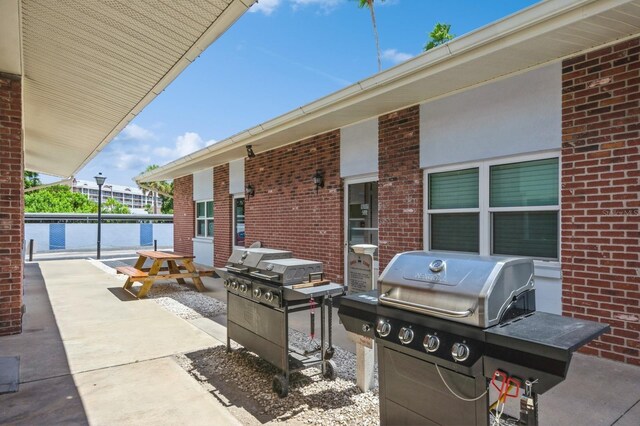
318 180
250 152
250 190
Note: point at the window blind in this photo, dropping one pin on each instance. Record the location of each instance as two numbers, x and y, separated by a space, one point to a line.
530 183
454 190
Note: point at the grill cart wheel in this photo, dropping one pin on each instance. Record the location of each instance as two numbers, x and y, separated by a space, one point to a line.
330 370
280 385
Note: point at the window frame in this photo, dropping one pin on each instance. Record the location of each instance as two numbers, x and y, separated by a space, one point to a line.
205 218
484 210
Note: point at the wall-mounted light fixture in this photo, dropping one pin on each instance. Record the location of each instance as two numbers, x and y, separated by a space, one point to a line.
250 190
318 180
250 152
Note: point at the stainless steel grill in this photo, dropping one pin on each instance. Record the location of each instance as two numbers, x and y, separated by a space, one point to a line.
445 324
263 287
474 290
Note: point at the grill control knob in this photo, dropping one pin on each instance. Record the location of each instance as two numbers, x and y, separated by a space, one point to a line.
243 288
234 284
226 283
257 293
366 328
431 343
268 296
405 335
383 328
460 352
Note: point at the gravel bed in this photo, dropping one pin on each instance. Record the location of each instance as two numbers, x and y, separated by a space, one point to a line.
243 380
184 302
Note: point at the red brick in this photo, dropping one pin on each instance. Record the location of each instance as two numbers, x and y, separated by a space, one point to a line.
11 214
602 250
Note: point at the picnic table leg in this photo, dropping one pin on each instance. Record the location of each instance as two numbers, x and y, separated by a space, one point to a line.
196 279
173 268
146 284
139 263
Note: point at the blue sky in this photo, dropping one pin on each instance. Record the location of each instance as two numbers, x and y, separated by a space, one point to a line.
280 55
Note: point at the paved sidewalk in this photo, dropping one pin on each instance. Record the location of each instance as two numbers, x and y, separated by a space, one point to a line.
88 357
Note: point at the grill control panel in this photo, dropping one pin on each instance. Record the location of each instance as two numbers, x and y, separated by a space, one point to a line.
447 346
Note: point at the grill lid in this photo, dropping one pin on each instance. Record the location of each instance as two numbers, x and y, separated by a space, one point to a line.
469 289
245 259
287 271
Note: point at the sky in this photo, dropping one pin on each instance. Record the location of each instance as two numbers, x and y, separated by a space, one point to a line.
278 56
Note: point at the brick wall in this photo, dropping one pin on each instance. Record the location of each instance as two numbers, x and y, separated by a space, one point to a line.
399 183
286 212
183 215
600 195
222 210
11 205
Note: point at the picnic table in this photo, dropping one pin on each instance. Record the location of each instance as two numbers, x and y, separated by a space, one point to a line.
179 266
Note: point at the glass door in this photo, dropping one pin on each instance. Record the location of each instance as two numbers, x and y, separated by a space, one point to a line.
361 218
238 221
362 221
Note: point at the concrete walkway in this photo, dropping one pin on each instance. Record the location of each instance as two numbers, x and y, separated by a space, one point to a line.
88 357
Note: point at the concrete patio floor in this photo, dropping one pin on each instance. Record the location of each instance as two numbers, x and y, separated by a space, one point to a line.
88 357
91 356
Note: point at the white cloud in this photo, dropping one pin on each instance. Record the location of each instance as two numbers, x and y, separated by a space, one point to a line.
265 6
184 145
135 132
394 56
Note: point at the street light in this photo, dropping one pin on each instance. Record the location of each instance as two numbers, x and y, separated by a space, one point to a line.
100 181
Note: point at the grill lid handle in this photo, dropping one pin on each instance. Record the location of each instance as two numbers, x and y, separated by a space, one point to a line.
423 309
236 269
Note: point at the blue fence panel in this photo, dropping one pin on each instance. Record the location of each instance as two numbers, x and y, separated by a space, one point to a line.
57 240
146 234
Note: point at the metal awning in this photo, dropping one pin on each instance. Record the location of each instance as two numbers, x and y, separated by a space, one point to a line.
89 67
543 33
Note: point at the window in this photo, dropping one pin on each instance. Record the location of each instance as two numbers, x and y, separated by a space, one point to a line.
495 208
204 219
238 222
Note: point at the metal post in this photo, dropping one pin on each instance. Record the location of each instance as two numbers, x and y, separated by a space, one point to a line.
30 250
100 181
155 245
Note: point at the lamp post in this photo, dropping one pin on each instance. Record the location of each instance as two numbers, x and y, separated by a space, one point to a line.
100 181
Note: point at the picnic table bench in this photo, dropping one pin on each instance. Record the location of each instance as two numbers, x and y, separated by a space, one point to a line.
179 266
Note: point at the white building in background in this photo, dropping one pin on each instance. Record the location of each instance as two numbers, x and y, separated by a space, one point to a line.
130 196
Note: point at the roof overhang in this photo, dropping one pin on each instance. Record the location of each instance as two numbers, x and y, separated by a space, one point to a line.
89 68
543 33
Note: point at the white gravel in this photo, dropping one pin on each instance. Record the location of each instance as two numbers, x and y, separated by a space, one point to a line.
184 302
244 379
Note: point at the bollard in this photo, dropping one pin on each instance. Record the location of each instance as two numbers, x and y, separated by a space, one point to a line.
155 245
31 250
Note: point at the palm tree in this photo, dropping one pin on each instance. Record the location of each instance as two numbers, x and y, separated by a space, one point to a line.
163 188
369 4
439 35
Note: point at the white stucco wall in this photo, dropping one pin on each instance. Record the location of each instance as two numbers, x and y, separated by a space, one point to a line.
236 176
39 232
517 115
359 149
203 251
203 185
163 232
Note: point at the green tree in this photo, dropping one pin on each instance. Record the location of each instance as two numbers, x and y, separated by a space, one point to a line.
162 188
439 35
369 5
111 205
31 179
58 199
